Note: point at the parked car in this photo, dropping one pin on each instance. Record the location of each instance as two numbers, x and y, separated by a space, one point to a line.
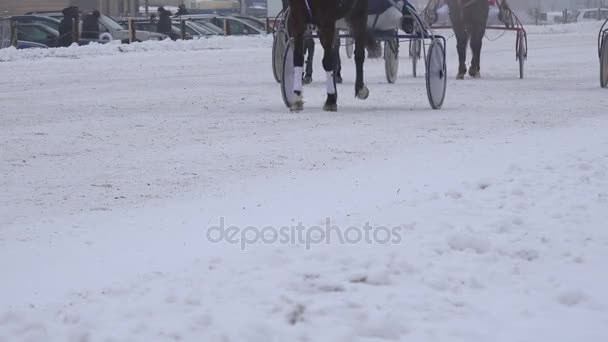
38 33
147 25
555 17
592 14
22 44
200 28
235 25
192 29
260 24
43 34
110 29
37 19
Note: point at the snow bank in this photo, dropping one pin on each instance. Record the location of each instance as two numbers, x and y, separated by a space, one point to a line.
115 48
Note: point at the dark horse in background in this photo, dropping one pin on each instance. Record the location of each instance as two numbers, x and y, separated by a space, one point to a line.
469 19
324 14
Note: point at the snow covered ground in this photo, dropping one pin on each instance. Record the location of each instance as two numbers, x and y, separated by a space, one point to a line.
115 165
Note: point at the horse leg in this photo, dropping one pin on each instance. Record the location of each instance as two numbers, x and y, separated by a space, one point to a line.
462 38
337 61
297 26
326 34
478 19
358 23
309 46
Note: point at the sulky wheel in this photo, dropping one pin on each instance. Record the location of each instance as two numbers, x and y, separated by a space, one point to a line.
278 50
289 97
415 49
604 63
436 74
522 53
391 60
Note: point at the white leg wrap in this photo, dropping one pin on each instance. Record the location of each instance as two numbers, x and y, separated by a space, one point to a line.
297 78
331 87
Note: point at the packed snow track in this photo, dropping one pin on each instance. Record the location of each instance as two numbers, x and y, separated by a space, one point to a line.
116 162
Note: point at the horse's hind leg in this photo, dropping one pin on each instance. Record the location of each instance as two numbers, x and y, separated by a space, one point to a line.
358 23
297 26
327 31
478 19
462 38
309 46
337 60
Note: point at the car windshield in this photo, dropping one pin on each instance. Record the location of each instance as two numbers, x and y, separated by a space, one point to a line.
194 29
209 27
109 23
189 31
35 32
253 22
241 28
215 22
47 22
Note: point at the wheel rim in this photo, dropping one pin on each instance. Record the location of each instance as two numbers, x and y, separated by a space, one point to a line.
278 50
391 61
436 78
287 75
604 64
521 54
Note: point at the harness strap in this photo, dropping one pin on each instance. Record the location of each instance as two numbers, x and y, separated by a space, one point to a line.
376 21
308 7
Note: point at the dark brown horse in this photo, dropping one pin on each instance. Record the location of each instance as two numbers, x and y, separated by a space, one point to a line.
469 18
324 14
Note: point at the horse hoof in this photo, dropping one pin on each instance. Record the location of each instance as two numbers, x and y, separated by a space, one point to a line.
474 72
330 107
307 79
298 105
460 77
363 93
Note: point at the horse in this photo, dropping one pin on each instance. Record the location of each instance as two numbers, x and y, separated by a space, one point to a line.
469 19
325 14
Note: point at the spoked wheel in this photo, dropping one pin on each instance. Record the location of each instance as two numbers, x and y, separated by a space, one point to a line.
278 50
436 74
415 48
349 44
289 97
391 60
522 53
604 63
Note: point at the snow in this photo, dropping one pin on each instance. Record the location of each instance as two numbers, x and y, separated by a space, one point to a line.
115 166
116 48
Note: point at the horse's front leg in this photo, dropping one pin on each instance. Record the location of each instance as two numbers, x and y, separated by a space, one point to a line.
462 37
297 27
358 23
326 35
298 62
478 31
